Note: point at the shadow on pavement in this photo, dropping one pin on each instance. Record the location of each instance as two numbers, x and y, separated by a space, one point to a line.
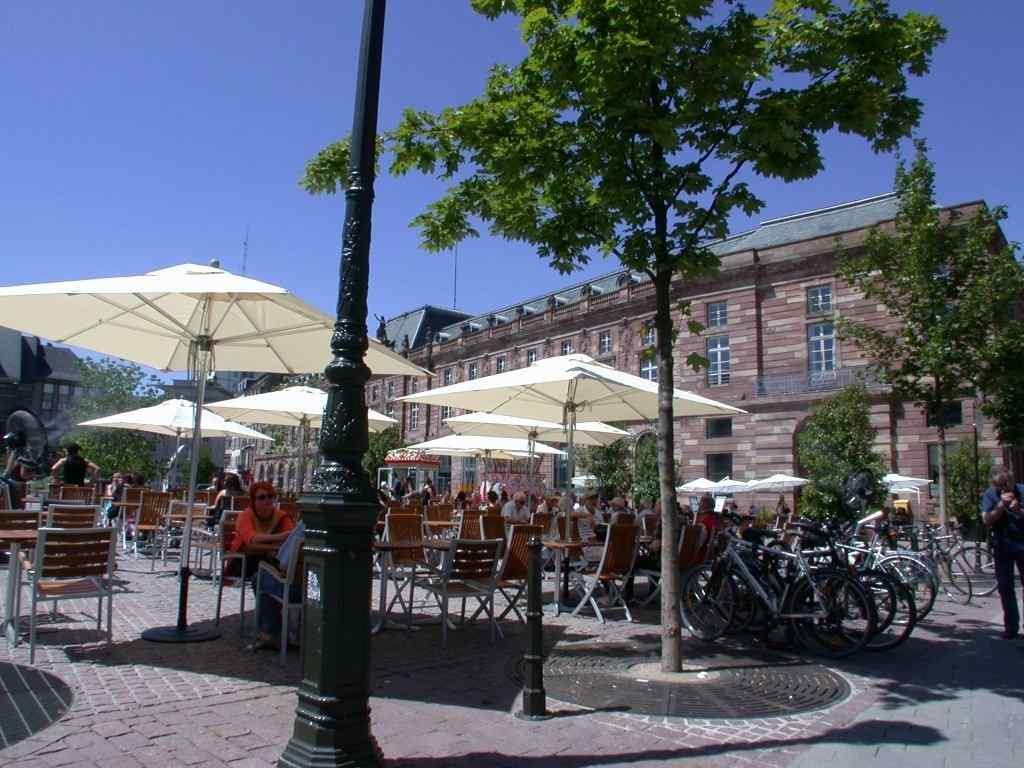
867 733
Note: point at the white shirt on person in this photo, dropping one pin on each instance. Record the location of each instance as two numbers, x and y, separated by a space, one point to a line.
515 515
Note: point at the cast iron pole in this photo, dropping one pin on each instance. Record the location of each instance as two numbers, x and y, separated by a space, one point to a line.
332 719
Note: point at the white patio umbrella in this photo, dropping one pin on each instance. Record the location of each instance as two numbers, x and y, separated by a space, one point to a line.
561 389
301 407
776 484
584 481
500 425
728 485
486 447
176 418
700 485
893 479
187 317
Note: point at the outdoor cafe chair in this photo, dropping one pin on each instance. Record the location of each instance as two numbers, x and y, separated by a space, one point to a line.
20 520
469 524
401 566
225 556
543 519
72 516
285 578
468 571
150 518
207 541
172 533
612 572
492 527
692 539
53 489
73 564
515 566
5 497
82 494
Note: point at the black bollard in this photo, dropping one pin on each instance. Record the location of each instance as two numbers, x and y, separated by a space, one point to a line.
534 698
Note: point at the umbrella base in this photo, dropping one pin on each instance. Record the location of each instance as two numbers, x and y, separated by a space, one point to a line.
176 635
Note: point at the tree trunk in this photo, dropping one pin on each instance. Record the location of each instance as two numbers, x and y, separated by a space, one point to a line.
671 660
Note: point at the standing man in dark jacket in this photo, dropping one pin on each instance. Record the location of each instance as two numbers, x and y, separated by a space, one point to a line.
1002 511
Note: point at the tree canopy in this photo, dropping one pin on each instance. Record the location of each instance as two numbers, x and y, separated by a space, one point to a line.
112 386
952 282
631 128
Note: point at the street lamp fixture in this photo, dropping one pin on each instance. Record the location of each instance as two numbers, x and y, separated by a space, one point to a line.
332 719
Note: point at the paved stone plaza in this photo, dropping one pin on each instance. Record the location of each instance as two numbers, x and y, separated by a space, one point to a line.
950 697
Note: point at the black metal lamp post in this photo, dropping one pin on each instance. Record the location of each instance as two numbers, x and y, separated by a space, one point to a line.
332 720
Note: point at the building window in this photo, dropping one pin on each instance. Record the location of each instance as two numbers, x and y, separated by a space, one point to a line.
446 412
604 343
717 466
718 428
374 392
449 376
531 356
48 392
821 348
718 314
473 371
500 364
719 361
391 388
953 416
649 368
819 299
390 410
414 416
648 336
567 346
469 472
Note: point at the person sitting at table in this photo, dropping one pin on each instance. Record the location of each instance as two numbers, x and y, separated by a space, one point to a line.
618 507
493 507
74 467
516 511
114 494
232 490
20 470
261 527
270 610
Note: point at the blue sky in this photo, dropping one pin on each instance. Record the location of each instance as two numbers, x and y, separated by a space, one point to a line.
138 135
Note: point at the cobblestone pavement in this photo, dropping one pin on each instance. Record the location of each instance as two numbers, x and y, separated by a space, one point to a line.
952 695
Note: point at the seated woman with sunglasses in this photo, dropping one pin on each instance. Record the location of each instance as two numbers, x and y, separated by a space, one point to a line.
261 528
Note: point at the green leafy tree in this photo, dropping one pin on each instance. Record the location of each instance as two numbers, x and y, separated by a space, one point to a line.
107 387
1003 387
380 443
610 464
968 478
951 281
206 467
631 128
646 483
836 441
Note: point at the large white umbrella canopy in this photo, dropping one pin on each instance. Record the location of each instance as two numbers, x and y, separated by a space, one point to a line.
488 447
563 389
153 318
728 485
175 418
776 484
700 485
500 425
549 389
584 481
893 479
289 407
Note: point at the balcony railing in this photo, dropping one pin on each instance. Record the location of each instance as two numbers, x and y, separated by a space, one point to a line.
811 382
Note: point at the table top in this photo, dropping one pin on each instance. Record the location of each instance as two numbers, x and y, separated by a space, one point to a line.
18 537
563 544
392 546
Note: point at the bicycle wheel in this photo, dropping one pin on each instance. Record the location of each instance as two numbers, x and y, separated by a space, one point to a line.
917 577
707 602
957 575
897 613
849 616
977 560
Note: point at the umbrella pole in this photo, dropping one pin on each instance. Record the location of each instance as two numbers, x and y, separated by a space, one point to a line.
303 437
181 632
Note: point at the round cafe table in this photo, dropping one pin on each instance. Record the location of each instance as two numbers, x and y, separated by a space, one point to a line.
561 548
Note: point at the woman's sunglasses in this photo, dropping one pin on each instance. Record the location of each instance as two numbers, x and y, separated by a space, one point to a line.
265 496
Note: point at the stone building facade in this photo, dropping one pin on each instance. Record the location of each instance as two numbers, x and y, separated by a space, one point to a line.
770 336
